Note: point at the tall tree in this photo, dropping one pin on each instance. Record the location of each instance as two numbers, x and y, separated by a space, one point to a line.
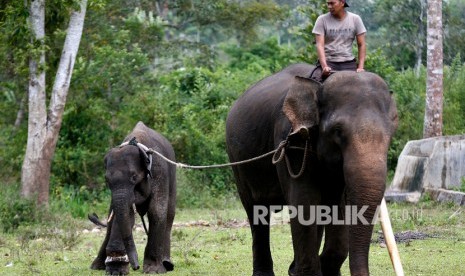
391 29
44 126
434 88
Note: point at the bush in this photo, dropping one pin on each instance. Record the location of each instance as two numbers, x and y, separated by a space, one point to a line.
409 92
79 201
19 212
267 55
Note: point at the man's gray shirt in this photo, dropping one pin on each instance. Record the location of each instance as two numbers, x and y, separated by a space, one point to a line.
339 35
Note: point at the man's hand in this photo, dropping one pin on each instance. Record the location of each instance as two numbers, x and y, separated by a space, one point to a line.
360 70
326 71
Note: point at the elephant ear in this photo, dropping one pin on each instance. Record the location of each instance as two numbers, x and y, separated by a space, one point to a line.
300 105
146 159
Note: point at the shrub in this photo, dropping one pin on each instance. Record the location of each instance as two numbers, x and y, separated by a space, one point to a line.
18 212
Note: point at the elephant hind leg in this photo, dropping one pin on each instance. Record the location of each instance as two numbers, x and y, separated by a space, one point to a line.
335 249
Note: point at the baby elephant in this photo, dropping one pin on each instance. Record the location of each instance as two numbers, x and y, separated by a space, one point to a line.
144 183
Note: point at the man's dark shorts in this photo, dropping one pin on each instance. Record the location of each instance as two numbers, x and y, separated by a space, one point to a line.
350 65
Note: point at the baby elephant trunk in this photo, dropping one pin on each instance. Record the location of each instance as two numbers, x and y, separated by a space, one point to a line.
132 252
124 218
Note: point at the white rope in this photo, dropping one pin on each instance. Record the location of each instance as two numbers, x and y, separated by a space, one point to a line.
185 166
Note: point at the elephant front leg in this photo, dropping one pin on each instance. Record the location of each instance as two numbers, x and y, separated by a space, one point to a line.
306 246
304 199
335 250
262 260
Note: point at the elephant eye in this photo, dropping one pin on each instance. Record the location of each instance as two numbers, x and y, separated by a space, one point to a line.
337 130
337 134
133 178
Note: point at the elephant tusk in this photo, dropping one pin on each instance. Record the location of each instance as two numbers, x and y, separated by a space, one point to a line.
390 239
110 217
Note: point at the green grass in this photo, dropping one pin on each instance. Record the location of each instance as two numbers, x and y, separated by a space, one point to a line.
216 248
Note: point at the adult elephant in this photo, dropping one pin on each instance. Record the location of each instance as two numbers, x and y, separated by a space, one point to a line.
136 178
336 137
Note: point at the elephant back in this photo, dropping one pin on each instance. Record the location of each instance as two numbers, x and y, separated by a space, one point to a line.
251 120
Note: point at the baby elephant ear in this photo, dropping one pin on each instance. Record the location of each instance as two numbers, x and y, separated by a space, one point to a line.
149 164
146 158
300 105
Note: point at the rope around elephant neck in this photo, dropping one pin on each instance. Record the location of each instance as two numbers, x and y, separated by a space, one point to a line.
283 155
280 148
302 168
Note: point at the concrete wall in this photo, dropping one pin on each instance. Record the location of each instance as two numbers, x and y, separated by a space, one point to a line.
433 163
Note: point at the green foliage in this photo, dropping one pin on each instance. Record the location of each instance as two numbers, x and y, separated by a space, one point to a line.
454 39
312 11
396 21
390 26
239 19
66 201
267 55
16 213
409 92
454 98
79 201
378 63
12 141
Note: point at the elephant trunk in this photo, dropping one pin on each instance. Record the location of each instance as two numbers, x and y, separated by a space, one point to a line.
365 177
124 218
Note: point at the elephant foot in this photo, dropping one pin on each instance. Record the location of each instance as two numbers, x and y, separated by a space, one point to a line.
158 267
117 268
263 273
293 272
98 264
168 265
155 267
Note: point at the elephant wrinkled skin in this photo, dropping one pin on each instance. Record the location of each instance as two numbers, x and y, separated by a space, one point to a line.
347 123
149 184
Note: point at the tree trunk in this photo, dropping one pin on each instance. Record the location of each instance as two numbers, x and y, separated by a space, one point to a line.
37 106
43 126
434 88
419 40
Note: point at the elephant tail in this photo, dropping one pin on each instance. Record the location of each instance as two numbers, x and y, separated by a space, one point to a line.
95 219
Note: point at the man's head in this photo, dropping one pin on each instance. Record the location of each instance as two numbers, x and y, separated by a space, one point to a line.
336 7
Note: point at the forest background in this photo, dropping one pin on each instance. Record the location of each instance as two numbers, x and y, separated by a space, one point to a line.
178 66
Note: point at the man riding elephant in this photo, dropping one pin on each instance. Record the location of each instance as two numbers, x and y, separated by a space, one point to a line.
335 33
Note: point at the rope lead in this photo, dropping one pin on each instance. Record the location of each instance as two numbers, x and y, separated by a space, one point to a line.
185 166
278 155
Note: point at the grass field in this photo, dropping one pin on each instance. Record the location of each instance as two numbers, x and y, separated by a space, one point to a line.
218 242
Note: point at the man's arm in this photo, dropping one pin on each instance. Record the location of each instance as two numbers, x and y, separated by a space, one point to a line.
320 50
362 49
